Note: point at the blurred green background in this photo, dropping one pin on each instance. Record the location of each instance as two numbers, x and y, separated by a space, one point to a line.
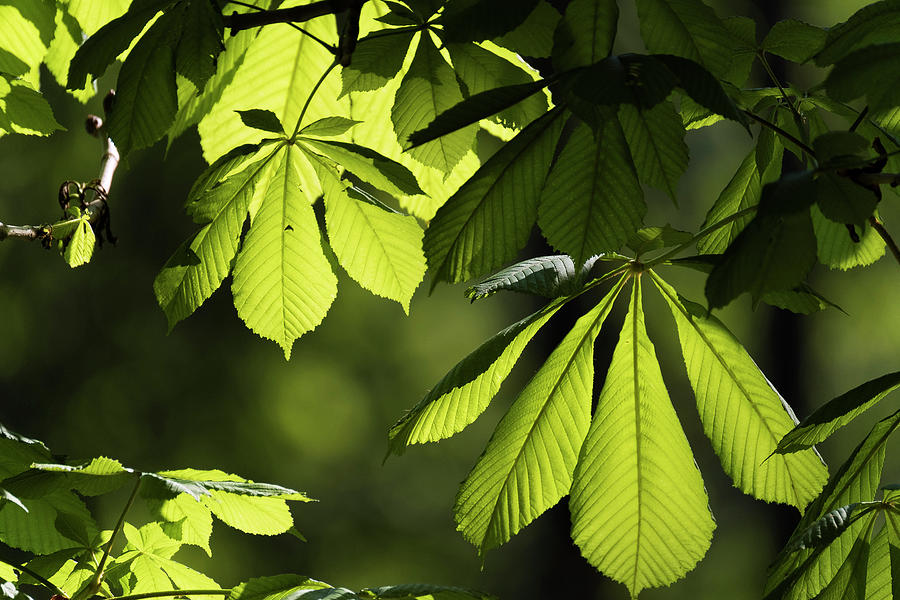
87 366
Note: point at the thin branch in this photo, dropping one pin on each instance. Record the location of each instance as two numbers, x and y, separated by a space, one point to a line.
766 123
296 14
859 118
891 179
879 227
97 579
172 593
95 203
315 38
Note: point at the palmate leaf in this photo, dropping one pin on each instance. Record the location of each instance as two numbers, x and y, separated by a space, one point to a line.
146 565
428 89
183 519
878 580
656 141
828 528
24 110
527 466
80 247
838 412
35 530
368 165
592 201
534 37
381 250
639 509
686 28
199 266
742 414
485 223
585 34
804 573
467 389
283 284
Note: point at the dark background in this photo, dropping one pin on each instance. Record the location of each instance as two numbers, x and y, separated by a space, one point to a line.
86 365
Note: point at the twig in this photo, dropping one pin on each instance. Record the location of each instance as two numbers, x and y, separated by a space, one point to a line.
809 151
315 38
310 97
296 14
879 227
892 179
765 63
95 204
96 581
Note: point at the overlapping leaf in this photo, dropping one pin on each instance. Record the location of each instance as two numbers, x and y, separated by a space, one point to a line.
484 224
585 34
527 466
592 201
639 508
656 141
381 250
686 28
804 573
548 276
742 414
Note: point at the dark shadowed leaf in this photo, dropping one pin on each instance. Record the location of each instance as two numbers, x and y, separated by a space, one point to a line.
261 119
477 20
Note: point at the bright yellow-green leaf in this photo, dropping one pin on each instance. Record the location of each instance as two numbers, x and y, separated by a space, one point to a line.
639 509
527 466
381 250
742 414
283 284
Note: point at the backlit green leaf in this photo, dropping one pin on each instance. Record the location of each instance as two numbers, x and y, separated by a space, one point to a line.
585 34
592 201
261 119
467 389
794 40
656 140
425 591
376 60
146 98
481 70
276 587
428 89
639 508
99 476
873 24
837 250
24 110
686 28
527 466
485 223
742 414
379 249
329 126
838 412
283 284
804 573
774 251
198 267
477 20
534 37
873 72
702 87
80 247
102 48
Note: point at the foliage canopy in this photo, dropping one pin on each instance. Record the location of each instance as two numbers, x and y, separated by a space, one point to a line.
436 136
